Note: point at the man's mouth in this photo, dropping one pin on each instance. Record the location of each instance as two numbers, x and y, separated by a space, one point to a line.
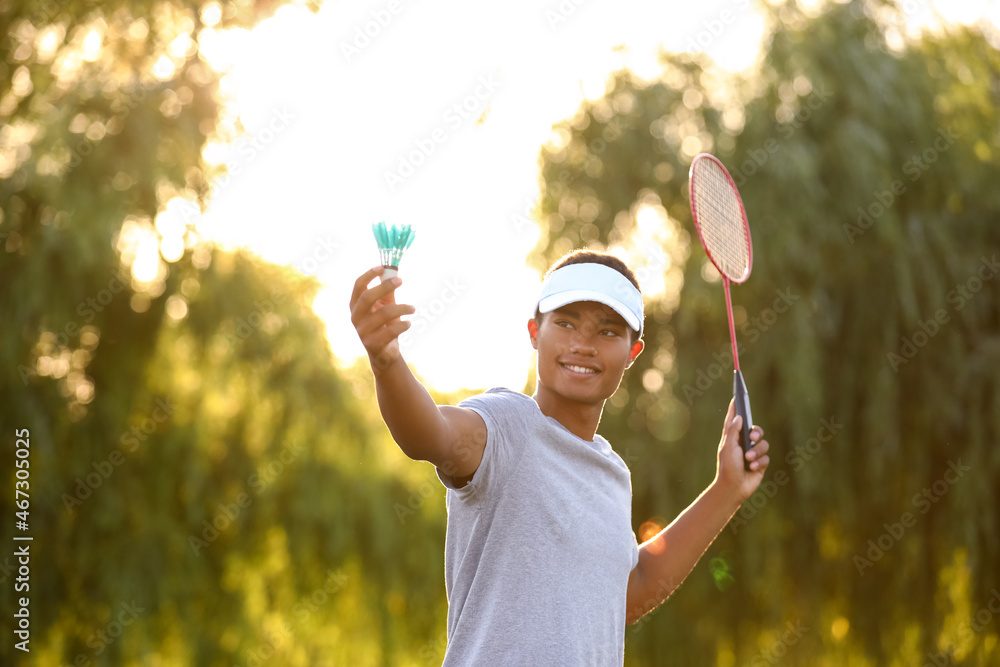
580 369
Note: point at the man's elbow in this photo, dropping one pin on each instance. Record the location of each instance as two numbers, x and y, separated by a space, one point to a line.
454 460
420 444
643 598
418 450
635 613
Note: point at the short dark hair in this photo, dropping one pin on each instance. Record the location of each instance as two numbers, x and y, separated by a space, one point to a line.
583 256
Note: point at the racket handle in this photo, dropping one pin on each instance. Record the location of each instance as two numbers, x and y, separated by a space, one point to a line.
741 397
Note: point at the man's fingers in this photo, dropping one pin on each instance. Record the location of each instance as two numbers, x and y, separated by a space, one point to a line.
368 298
758 450
727 423
760 464
735 424
387 334
361 284
730 433
378 319
379 292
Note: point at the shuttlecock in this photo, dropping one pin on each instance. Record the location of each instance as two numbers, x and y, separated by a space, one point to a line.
391 244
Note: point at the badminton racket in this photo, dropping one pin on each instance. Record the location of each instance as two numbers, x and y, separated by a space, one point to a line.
722 226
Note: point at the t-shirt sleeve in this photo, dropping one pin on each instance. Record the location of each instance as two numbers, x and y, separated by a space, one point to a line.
503 413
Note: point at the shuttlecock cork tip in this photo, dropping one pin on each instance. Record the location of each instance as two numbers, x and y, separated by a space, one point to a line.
392 241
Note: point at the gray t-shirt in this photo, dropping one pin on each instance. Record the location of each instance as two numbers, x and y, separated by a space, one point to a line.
539 545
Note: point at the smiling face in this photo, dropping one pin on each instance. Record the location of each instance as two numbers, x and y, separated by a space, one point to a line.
583 351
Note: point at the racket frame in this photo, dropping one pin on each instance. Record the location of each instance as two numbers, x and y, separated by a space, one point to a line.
741 397
743 216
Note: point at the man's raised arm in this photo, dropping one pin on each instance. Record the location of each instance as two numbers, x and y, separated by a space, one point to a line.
668 558
451 438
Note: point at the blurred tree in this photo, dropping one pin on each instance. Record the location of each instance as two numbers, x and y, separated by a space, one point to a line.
869 334
205 487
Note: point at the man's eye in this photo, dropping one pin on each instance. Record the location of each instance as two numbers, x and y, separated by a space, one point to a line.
610 332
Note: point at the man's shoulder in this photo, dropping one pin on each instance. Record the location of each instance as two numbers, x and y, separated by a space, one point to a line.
500 394
502 405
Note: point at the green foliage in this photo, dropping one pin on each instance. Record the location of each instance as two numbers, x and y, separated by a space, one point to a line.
866 172
206 487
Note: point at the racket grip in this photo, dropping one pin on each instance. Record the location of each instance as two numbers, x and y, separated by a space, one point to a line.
741 398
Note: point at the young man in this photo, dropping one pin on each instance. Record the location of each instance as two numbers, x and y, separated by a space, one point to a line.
541 564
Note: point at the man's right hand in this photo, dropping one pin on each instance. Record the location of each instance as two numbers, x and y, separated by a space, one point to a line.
376 317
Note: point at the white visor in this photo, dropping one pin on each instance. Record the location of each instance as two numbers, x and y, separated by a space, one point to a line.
592 282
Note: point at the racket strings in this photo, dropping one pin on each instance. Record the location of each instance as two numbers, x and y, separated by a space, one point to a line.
720 218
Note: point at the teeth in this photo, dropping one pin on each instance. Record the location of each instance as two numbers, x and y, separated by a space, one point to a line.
580 369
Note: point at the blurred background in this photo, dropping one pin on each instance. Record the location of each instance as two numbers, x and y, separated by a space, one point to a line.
186 195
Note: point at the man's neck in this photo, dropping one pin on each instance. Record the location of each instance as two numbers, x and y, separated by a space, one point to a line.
580 419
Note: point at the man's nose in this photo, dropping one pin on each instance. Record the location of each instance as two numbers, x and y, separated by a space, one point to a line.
583 340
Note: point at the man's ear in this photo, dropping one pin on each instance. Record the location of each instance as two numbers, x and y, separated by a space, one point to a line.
637 347
533 332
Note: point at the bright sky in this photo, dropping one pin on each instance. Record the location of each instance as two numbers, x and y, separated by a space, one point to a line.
454 98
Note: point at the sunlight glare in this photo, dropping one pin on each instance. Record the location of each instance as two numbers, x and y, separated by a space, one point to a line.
47 42
176 308
182 46
172 248
211 13
222 49
92 46
170 221
164 68
650 219
961 11
147 259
